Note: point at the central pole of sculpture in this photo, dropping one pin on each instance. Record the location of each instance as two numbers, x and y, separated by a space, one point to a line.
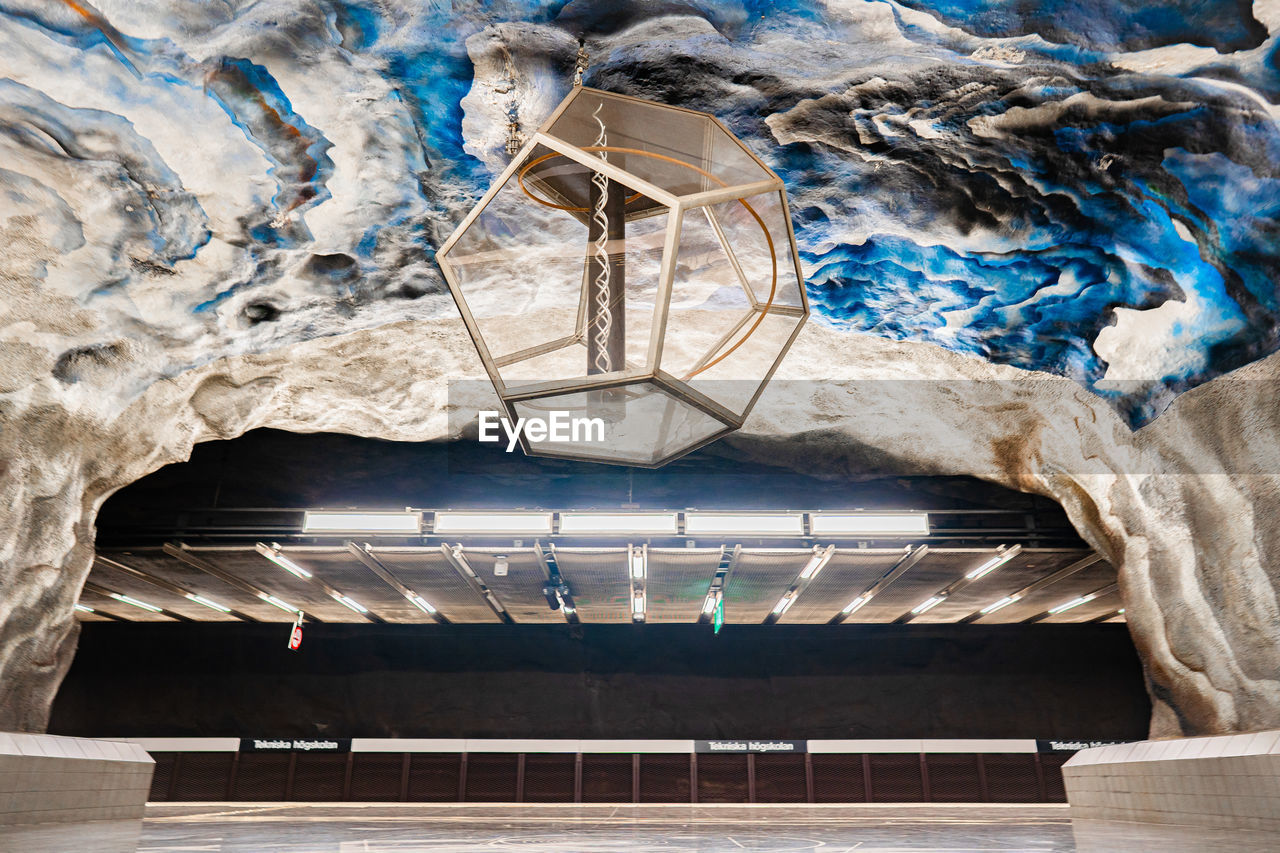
606 276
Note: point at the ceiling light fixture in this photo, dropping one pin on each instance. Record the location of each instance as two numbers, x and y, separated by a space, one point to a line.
492 522
856 605
784 603
888 524
350 603
84 608
821 556
273 554
322 521
618 523
1004 556
421 603
136 603
637 605
212 605
928 604
639 560
997 605
1075 602
275 602
750 524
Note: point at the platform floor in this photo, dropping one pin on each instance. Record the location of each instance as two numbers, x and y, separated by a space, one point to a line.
385 828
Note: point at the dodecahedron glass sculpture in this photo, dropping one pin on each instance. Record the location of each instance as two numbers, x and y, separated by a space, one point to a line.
631 280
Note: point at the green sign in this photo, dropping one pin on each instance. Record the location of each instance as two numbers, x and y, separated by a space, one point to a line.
717 620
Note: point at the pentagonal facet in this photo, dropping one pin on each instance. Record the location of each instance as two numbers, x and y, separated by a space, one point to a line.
633 267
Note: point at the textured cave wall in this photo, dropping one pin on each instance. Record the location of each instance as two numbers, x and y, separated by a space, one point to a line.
1038 238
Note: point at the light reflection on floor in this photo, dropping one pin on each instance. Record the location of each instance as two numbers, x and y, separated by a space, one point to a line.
443 828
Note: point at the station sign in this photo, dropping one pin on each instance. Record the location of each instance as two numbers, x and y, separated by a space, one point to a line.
750 746
267 744
1074 745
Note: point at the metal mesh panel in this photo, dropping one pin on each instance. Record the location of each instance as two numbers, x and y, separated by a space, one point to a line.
1026 568
375 776
102 604
1055 791
491 777
261 777
548 778
664 779
780 779
520 590
759 580
677 582
1086 580
838 779
1012 778
606 778
896 779
161 776
342 571
600 583
249 565
937 569
430 575
159 564
722 778
846 575
433 777
203 776
1100 606
127 584
318 777
954 779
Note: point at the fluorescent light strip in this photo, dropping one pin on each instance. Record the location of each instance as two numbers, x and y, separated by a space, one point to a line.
84 608
212 605
751 524
997 605
362 522
350 603
991 565
639 563
869 523
136 603
783 604
928 604
275 602
1062 608
637 605
492 522
282 561
572 523
855 605
816 562
709 605
421 603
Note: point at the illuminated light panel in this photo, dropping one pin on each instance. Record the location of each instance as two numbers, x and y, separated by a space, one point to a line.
869 524
783 603
637 605
997 605
350 603
994 563
275 602
928 604
362 522
212 605
816 563
657 523
136 603
421 603
1075 602
709 605
639 561
84 608
749 524
282 561
492 522
856 605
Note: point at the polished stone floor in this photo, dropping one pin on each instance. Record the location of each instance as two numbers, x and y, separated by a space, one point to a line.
378 828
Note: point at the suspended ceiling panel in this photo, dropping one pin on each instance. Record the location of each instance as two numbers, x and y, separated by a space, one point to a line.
1085 581
599 581
159 564
251 566
520 590
118 581
341 570
759 579
431 576
1024 569
846 574
934 571
677 582
103 604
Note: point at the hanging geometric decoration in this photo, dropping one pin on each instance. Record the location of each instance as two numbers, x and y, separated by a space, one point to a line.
633 272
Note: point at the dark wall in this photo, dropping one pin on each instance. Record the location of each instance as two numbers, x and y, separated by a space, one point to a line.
882 681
